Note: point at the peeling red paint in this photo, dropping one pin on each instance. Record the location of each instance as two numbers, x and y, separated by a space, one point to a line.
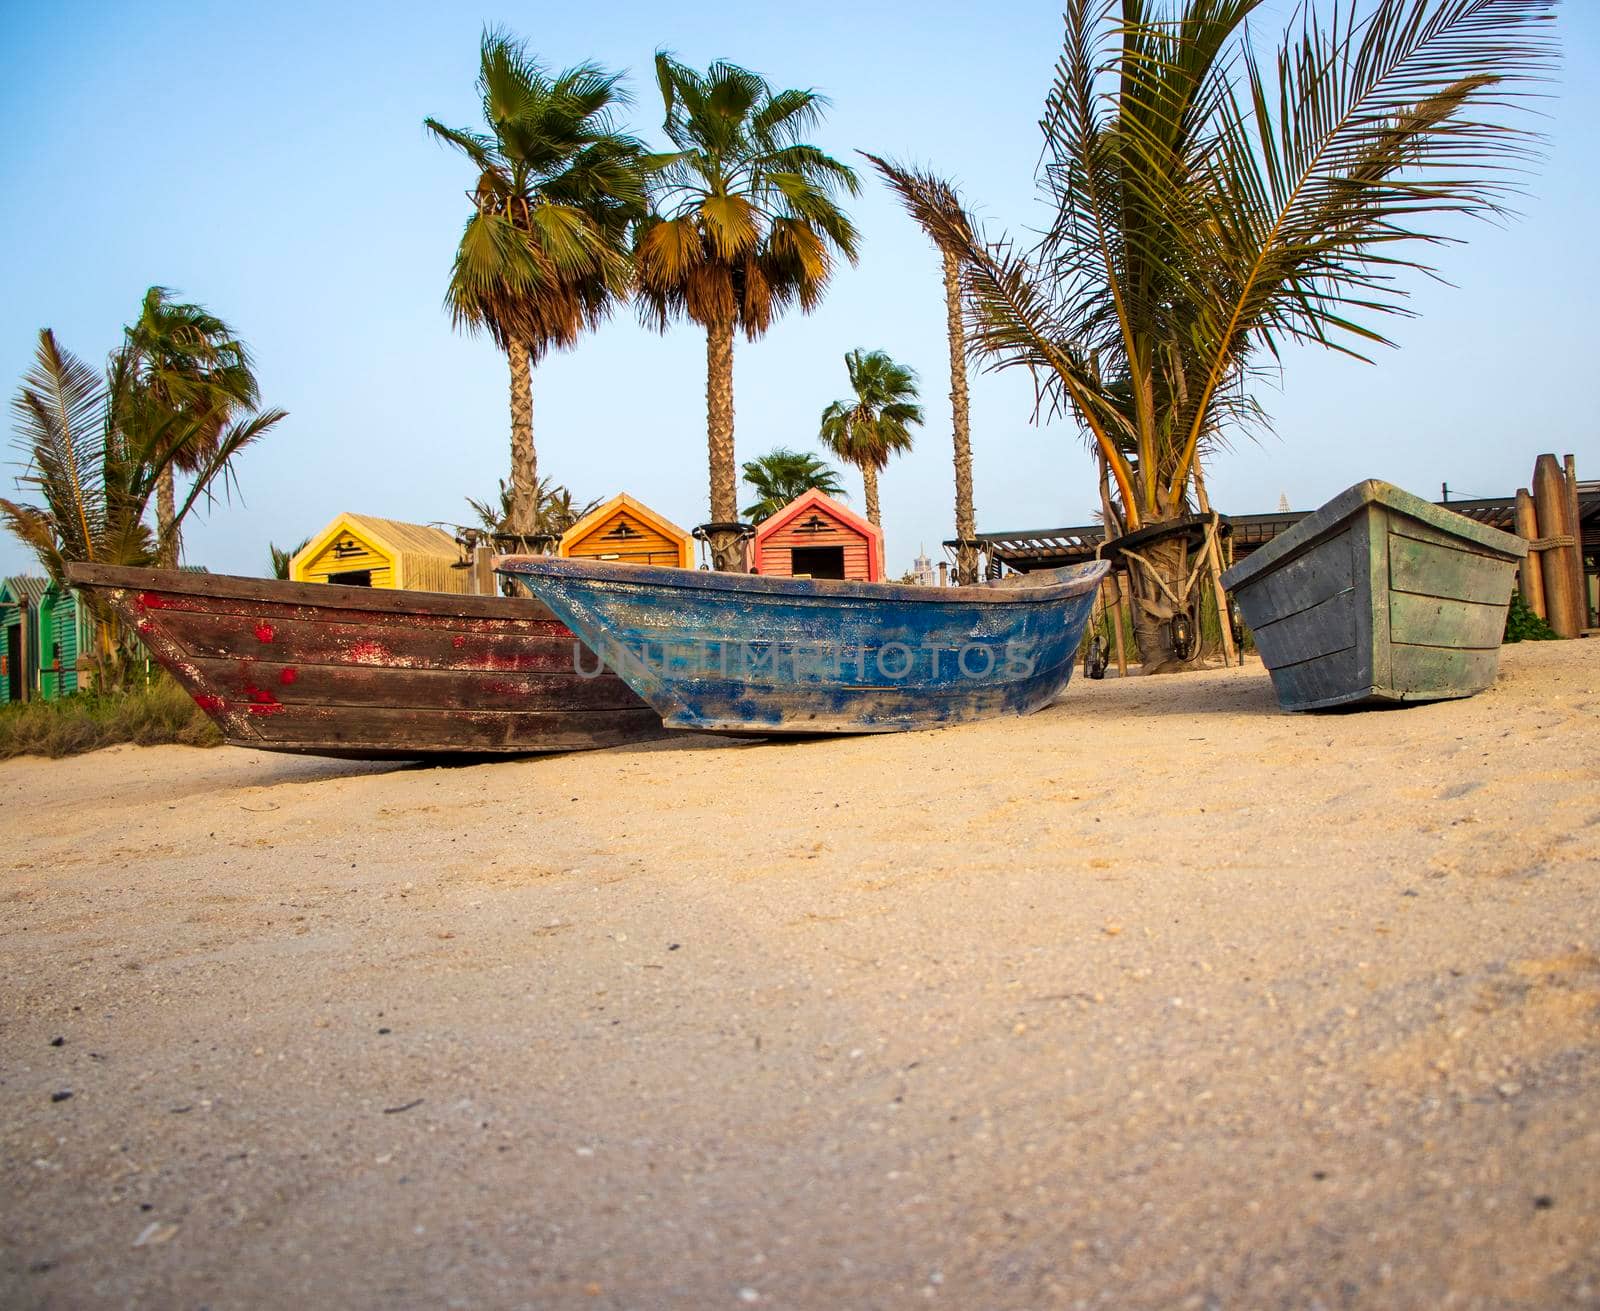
288 676
458 641
264 632
151 601
212 705
369 652
273 709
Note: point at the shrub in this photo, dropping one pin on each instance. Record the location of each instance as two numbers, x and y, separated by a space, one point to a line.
148 714
1523 625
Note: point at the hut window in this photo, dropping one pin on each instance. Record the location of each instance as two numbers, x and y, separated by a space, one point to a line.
354 578
818 561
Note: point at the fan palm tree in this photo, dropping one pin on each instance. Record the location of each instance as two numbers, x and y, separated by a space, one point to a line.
190 361
95 447
907 183
544 254
744 223
781 475
1210 208
876 422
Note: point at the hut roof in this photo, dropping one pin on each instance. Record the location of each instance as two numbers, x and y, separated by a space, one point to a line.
24 587
812 499
622 501
398 536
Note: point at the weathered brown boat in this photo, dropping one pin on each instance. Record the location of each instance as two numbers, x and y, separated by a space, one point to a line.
370 673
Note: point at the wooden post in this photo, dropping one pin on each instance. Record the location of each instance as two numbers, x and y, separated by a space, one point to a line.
483 582
1214 567
1530 580
1575 518
1116 624
944 573
1561 597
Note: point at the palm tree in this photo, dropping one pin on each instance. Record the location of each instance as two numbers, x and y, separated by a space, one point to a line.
781 475
190 361
544 254
875 423
744 223
1209 211
95 447
557 510
282 557
907 183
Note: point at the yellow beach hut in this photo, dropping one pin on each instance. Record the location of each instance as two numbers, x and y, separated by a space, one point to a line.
361 550
628 530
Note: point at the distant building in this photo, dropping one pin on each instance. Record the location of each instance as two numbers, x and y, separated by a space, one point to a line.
922 570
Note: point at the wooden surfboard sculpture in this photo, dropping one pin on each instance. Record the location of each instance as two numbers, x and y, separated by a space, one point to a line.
371 673
743 653
1378 597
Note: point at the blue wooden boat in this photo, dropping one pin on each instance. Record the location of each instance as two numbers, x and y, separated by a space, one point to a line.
751 654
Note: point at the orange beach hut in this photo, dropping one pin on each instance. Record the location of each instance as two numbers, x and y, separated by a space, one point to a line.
627 530
816 537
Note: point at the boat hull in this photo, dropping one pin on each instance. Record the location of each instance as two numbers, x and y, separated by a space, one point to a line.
740 653
1378 597
370 673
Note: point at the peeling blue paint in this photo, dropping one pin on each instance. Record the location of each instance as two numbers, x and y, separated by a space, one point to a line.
738 652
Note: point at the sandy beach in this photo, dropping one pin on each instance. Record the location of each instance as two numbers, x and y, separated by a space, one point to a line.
1159 998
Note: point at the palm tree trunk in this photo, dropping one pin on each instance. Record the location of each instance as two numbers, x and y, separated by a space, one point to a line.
869 480
166 511
1153 608
719 421
966 556
524 460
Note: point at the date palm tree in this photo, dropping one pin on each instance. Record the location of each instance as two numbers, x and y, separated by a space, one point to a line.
908 183
557 510
189 360
744 223
875 423
544 254
94 448
281 557
1211 207
781 475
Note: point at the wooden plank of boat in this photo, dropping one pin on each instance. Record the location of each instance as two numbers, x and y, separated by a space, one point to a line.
1378 597
742 653
373 673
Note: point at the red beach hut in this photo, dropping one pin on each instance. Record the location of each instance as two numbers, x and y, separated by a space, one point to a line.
816 537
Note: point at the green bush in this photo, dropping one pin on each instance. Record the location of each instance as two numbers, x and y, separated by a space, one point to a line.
1522 625
149 714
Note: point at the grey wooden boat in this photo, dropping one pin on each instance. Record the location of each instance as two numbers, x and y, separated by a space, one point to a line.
1378 597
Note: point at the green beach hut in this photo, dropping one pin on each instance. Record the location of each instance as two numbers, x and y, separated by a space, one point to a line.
19 639
66 631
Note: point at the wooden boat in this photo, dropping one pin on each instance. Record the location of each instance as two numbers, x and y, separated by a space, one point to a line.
1378 597
371 673
752 654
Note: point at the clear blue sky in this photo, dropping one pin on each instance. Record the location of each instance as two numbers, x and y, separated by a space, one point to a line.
269 161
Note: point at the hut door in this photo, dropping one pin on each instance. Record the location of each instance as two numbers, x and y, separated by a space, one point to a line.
818 561
15 685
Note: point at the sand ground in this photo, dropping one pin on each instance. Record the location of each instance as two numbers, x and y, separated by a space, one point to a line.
1160 998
